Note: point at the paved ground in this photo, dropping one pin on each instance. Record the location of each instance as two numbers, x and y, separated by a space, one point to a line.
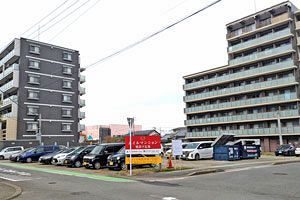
6 191
256 182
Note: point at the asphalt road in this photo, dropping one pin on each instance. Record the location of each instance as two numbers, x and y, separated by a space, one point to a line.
264 182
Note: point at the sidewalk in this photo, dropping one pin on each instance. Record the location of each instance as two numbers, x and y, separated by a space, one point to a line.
9 191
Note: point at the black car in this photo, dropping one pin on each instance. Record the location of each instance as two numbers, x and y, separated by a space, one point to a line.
47 159
15 157
98 157
117 161
75 159
285 150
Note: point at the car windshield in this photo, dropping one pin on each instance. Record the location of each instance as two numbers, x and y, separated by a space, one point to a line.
78 150
97 149
121 151
191 146
285 146
68 150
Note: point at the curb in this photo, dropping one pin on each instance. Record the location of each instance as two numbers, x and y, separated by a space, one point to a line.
285 162
18 191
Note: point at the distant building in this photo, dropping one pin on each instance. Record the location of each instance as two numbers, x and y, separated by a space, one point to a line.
99 132
260 82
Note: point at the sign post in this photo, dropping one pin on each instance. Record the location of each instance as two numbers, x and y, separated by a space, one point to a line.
130 124
176 148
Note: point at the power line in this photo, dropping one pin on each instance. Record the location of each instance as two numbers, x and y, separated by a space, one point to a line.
151 35
58 7
63 17
60 13
74 20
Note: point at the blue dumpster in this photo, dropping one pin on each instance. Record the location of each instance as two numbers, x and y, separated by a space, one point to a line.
249 151
226 152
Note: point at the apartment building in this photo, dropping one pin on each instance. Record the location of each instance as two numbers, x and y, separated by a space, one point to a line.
40 79
259 85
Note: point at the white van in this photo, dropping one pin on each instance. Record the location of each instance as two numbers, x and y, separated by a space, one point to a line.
197 150
8 151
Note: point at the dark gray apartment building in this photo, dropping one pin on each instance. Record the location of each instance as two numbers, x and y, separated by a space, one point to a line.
39 78
259 84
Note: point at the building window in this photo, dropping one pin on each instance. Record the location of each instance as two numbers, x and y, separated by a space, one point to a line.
66 112
33 95
34 49
67 56
34 64
67 70
33 79
32 110
67 98
67 84
31 126
66 127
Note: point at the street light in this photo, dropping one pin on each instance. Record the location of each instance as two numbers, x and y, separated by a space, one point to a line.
130 124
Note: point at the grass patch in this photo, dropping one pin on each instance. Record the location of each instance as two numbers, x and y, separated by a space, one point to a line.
268 153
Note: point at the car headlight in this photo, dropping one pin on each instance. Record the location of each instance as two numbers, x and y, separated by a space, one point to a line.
118 158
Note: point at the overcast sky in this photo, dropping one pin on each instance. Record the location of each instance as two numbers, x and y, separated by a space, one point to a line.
146 81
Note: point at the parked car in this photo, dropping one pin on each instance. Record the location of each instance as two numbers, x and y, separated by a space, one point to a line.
75 159
15 157
285 150
297 151
47 159
59 159
197 150
35 153
98 157
8 151
117 161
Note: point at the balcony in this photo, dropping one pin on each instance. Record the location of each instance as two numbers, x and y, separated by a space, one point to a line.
297 25
254 131
240 118
10 57
247 73
9 115
81 103
261 55
81 90
82 79
11 69
81 115
9 101
241 89
261 40
298 41
242 103
13 84
81 127
259 26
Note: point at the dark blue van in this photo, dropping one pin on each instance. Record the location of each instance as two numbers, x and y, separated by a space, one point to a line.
35 153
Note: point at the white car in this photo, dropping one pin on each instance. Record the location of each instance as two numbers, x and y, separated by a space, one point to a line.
8 151
297 151
60 158
197 150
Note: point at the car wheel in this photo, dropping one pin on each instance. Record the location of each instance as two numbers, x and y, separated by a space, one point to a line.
123 166
77 164
197 157
29 160
97 165
1 157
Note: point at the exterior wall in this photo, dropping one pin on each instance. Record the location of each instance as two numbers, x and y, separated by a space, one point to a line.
260 81
50 93
11 129
120 129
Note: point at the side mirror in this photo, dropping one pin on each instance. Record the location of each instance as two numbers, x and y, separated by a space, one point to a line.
105 152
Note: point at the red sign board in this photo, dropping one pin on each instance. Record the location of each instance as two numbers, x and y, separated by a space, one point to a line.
143 142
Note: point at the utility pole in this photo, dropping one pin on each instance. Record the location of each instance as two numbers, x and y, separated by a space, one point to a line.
279 128
130 124
39 133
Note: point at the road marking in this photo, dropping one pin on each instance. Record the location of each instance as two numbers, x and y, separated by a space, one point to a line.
69 173
169 198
